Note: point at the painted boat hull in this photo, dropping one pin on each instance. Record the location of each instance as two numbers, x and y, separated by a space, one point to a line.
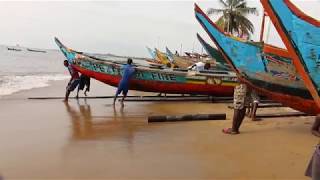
151 80
301 35
270 74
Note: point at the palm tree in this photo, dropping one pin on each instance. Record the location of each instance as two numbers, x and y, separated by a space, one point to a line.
233 19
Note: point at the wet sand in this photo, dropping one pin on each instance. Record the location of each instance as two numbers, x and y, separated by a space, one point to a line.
92 140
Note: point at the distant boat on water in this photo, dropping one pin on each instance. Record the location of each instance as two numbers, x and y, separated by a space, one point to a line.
36 50
13 49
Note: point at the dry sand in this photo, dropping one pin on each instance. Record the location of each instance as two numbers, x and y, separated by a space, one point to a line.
92 140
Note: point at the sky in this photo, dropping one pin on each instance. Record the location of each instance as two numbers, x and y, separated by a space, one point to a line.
118 27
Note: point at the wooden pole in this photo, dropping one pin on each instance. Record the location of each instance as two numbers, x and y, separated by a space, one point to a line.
190 117
287 114
262 26
107 97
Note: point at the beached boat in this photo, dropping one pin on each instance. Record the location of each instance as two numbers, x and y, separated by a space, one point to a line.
301 35
162 57
215 54
267 69
179 61
153 80
151 52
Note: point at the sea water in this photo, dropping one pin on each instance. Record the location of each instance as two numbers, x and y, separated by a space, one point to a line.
23 70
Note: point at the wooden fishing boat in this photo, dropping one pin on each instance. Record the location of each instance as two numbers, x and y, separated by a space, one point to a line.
267 69
36 50
151 52
152 80
301 35
179 61
13 49
215 54
162 57
154 62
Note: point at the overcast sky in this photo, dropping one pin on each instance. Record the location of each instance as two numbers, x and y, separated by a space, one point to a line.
119 27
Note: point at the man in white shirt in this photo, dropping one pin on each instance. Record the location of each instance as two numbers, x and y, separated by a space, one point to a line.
199 66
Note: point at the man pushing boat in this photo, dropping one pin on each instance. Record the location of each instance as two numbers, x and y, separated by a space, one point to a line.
74 81
123 86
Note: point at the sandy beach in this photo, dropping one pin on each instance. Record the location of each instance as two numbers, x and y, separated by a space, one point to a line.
92 140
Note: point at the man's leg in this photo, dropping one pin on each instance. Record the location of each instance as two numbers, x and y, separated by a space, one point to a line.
236 114
254 111
115 98
249 110
237 120
125 92
315 130
77 96
67 95
122 101
85 92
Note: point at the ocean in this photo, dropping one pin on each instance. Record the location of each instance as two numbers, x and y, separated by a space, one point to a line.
23 70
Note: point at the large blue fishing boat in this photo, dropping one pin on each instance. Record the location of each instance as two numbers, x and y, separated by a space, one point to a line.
266 68
301 35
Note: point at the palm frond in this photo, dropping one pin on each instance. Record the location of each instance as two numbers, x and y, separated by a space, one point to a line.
214 11
225 5
234 18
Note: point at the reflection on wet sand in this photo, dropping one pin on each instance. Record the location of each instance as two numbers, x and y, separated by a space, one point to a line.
116 127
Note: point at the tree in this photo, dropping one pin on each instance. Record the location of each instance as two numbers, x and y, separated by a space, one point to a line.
233 19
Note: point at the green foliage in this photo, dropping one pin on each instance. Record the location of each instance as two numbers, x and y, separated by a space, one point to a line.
234 17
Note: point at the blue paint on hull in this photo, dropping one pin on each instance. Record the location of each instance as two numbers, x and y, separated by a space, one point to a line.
250 61
304 36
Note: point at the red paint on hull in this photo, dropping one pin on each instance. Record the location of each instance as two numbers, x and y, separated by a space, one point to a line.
163 87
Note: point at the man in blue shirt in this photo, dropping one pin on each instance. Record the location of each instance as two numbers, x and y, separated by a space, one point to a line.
128 71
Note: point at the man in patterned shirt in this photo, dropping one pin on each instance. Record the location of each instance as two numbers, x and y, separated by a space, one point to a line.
241 100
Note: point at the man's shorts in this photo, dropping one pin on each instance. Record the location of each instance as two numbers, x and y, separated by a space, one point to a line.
123 90
84 81
123 87
73 84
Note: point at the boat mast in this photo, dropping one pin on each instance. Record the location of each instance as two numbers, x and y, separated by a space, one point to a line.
262 26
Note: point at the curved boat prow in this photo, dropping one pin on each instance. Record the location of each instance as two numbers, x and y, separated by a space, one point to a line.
233 49
213 52
151 52
169 55
68 53
58 42
301 35
211 29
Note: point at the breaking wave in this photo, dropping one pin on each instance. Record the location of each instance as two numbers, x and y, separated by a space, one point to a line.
10 84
